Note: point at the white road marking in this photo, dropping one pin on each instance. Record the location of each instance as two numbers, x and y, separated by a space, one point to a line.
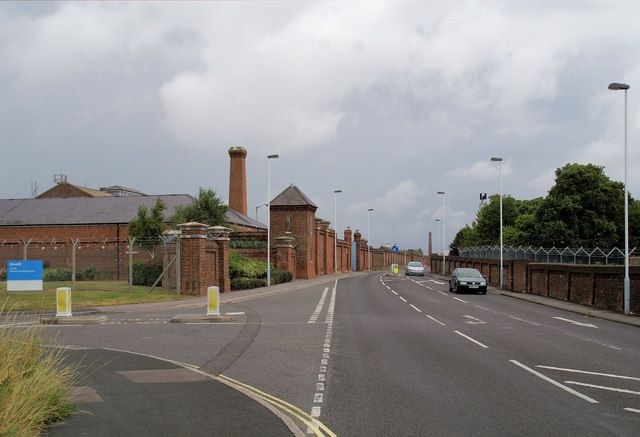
471 339
588 325
332 305
554 382
604 387
483 308
394 292
318 398
388 287
415 308
239 313
457 298
320 386
315 411
473 320
442 292
316 312
437 282
525 321
633 410
594 341
428 287
322 377
435 320
402 298
562 369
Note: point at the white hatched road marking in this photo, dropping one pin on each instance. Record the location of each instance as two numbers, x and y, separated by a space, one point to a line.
435 320
604 387
472 340
472 320
562 369
332 305
554 382
588 325
415 308
316 312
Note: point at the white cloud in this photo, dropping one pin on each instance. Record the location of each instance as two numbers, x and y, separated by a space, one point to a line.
482 170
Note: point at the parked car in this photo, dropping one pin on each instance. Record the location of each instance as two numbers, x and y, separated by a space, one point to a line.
414 268
467 279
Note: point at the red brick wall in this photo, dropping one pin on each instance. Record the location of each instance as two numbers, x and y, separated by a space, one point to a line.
302 219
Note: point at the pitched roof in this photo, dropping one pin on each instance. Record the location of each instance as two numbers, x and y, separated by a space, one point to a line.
121 188
96 210
292 196
82 210
65 189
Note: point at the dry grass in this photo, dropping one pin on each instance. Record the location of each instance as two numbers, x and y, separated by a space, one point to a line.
35 384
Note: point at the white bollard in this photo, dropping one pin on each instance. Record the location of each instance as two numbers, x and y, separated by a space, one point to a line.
63 302
213 301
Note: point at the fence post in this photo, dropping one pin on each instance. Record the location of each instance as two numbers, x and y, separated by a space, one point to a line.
131 241
74 243
178 264
25 246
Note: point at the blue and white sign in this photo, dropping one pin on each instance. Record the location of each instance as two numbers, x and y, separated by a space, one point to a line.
395 248
24 275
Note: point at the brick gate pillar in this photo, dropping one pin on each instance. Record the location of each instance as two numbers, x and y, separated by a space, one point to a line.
285 254
221 237
347 237
193 247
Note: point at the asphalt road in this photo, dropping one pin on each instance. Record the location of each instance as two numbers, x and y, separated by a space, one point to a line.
395 356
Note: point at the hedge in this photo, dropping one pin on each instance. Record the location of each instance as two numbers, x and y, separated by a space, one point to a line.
56 275
146 273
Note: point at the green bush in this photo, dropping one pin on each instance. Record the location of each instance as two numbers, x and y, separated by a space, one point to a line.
146 273
247 283
280 276
3 275
58 274
240 244
91 273
242 267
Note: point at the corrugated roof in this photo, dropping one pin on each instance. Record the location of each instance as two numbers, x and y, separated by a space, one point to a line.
96 210
292 196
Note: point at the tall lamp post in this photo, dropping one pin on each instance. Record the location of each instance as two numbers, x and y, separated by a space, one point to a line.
627 286
444 236
436 234
369 211
494 159
257 207
335 221
269 158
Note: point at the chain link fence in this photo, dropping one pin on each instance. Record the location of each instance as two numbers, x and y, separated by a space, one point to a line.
567 255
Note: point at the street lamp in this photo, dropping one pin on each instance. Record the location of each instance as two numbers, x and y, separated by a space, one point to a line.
436 234
262 204
369 211
335 240
444 236
494 159
627 292
269 158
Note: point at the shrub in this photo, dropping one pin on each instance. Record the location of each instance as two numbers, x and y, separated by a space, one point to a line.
247 283
56 275
91 273
35 384
146 273
280 276
3 275
243 267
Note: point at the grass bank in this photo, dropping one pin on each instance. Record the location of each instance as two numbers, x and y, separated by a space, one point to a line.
35 385
86 294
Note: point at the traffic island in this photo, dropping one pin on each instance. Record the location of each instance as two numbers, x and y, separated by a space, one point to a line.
73 320
201 318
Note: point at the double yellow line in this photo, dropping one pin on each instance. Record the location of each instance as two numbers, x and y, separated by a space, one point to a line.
318 428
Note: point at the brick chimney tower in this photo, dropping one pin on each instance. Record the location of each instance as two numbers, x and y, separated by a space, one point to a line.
238 180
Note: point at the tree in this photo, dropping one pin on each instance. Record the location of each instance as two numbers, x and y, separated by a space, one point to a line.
207 209
147 226
466 237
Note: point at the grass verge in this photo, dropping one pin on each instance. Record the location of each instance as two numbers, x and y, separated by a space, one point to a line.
86 294
35 384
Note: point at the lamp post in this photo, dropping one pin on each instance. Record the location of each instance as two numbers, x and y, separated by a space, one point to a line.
627 286
369 211
436 234
269 158
262 204
494 159
444 236
335 221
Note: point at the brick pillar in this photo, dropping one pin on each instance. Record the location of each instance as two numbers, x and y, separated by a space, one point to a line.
221 237
327 250
347 238
430 251
319 246
238 180
357 237
193 244
285 254
365 255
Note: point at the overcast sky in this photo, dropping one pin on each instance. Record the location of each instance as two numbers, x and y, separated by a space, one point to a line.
388 101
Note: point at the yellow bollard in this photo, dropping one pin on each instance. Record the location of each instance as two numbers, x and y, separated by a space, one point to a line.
63 302
213 301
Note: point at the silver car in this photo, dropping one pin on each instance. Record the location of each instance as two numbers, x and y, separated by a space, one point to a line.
414 268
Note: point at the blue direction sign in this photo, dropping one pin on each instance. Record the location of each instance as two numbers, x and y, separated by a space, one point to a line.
395 248
24 275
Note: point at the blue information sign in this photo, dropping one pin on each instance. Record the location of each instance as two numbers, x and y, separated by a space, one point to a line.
395 248
24 275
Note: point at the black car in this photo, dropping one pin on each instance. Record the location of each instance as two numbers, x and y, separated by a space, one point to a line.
467 280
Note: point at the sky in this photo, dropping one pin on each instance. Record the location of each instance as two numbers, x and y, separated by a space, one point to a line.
388 101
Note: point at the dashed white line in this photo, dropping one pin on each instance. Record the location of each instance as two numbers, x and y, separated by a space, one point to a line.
633 410
525 321
442 292
415 308
562 369
402 298
457 298
435 320
472 340
318 398
483 308
428 287
603 387
594 341
393 291
573 322
554 382
318 309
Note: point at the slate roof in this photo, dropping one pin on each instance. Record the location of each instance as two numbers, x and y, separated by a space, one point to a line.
292 196
95 210
121 188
